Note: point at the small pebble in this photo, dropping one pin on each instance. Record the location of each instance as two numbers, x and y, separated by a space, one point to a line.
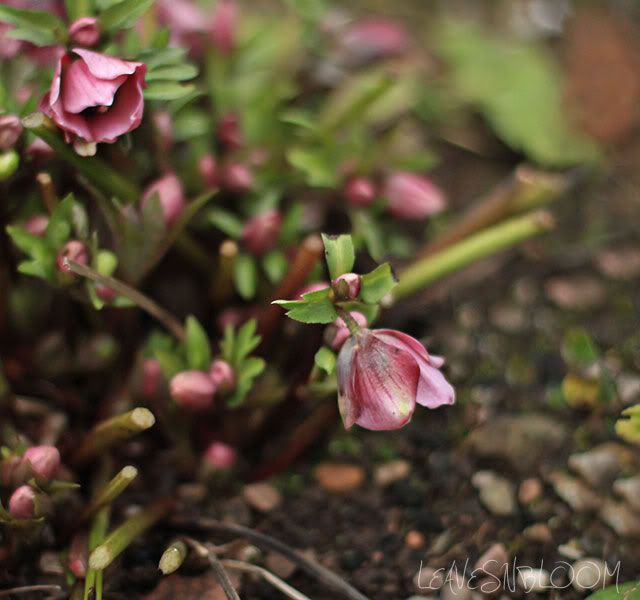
339 478
629 489
538 532
494 560
602 464
533 580
529 491
621 263
455 587
279 565
262 496
578 292
575 493
589 574
391 471
496 492
621 518
414 539
628 386
570 551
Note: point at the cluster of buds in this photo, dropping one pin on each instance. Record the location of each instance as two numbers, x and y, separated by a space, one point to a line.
195 390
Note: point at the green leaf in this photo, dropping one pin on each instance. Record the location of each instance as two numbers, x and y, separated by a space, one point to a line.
578 348
170 363
46 27
34 268
319 170
123 14
316 312
629 428
30 244
172 73
106 262
197 345
245 275
246 341
164 57
325 359
252 367
77 8
518 88
624 591
275 265
9 163
167 90
377 284
59 226
226 222
339 252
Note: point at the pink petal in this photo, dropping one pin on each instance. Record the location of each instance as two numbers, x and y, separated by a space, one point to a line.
384 383
103 66
81 89
347 403
433 389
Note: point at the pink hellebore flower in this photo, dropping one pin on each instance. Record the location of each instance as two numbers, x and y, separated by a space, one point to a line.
85 31
223 26
95 97
171 194
382 374
412 196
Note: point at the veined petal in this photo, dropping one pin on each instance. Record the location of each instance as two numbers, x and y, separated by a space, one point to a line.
104 66
81 89
347 402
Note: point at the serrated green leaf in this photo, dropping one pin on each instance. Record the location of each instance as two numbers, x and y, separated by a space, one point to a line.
252 367
34 268
167 90
377 284
198 350
179 72
30 244
123 14
325 359
163 57
317 312
340 254
245 276
226 222
45 26
246 340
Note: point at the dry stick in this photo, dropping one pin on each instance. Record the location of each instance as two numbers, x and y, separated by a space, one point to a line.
26 589
274 580
312 568
216 565
48 191
307 257
142 301
527 188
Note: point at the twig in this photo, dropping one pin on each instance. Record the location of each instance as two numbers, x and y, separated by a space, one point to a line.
142 301
312 568
274 580
26 589
216 565
48 191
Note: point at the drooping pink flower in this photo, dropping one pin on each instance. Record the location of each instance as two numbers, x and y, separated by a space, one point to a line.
412 196
95 97
223 26
260 233
382 374
222 375
10 130
208 169
171 193
220 455
22 502
44 460
374 38
359 191
85 31
192 390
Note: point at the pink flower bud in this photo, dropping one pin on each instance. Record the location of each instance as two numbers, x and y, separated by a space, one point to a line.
10 130
223 26
22 502
337 333
347 286
208 168
169 190
374 38
229 132
193 390
382 374
222 375
151 377
164 127
105 293
359 191
237 177
74 250
310 287
84 32
39 150
37 224
412 196
260 233
220 456
45 461
77 559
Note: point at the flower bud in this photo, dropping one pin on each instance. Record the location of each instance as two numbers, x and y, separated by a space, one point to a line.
151 377
171 194
22 503
39 150
374 38
193 390
337 333
77 559
260 233
84 32
44 460
164 127
229 132
412 196
222 375
359 191
74 250
10 130
237 177
220 456
223 26
208 168
37 224
347 286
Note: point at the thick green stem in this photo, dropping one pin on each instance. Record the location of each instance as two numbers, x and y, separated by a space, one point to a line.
94 169
120 538
173 557
93 580
425 271
110 492
109 432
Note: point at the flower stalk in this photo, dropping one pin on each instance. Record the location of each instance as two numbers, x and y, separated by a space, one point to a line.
110 492
173 557
429 269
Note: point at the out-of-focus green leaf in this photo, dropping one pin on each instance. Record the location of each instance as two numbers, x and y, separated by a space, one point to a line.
9 163
170 363
275 265
180 72
339 253
623 591
226 222
578 348
518 88
629 428
318 168
124 14
325 359
197 345
167 90
43 28
245 275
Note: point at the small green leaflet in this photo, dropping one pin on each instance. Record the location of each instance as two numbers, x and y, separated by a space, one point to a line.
197 345
377 284
123 14
325 359
340 254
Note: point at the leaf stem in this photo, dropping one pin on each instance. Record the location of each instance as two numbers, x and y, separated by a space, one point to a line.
428 269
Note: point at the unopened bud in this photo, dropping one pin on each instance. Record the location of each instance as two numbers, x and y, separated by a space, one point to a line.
10 130
260 233
347 286
360 191
85 32
193 390
39 150
237 177
374 38
78 556
229 132
223 26
22 503
73 250
37 224
412 196
222 375
208 168
44 460
220 456
171 194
